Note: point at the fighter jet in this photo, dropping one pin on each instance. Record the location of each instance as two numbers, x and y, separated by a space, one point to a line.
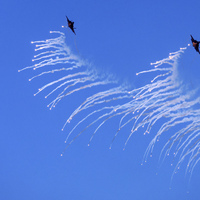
195 44
71 25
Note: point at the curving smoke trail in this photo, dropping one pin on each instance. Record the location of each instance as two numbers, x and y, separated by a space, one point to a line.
163 99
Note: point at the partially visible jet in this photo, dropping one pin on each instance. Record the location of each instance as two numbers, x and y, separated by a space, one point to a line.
195 44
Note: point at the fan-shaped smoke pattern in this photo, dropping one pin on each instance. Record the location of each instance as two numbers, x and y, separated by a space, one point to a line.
162 99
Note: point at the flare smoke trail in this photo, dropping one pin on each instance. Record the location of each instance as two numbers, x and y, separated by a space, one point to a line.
162 99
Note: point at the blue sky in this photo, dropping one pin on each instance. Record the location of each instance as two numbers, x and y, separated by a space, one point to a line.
119 37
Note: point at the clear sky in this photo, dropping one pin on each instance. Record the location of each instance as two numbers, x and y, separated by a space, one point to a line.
117 37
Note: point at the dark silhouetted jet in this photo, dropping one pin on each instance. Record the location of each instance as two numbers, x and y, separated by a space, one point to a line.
71 25
195 44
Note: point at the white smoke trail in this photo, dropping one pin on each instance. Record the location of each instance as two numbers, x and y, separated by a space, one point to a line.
162 99
56 52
